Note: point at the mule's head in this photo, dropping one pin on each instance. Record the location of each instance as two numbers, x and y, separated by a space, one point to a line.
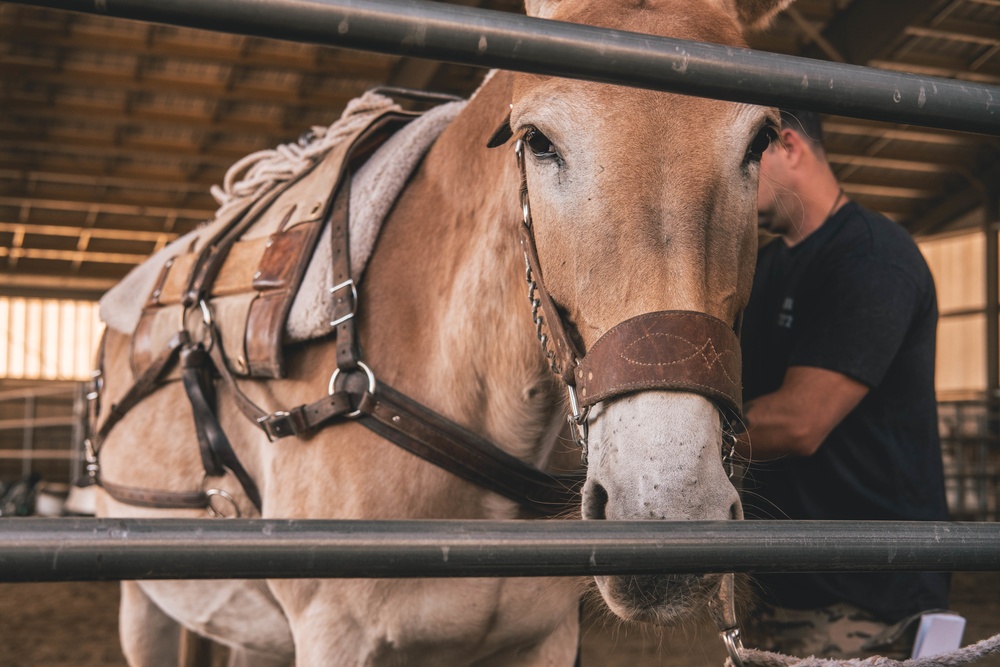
642 202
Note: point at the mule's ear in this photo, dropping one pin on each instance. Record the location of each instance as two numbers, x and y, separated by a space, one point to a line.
755 14
502 134
540 9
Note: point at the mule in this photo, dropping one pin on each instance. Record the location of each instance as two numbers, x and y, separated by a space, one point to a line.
640 202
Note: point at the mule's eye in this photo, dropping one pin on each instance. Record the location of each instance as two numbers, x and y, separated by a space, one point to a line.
539 144
764 137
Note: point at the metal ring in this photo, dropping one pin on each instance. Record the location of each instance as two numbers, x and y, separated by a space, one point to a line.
331 388
731 638
206 313
220 493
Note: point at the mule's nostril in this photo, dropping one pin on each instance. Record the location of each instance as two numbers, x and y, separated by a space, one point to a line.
595 503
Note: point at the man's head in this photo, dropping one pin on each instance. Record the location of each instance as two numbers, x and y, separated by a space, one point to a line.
794 175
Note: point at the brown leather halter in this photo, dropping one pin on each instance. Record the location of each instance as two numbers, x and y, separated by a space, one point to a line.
674 350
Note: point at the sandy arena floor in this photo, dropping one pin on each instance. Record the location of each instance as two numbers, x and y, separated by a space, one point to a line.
75 625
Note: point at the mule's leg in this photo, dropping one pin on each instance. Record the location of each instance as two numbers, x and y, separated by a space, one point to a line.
149 637
558 649
240 657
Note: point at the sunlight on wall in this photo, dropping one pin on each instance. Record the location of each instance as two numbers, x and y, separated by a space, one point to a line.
48 339
958 265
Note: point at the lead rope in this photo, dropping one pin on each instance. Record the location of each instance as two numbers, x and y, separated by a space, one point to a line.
723 612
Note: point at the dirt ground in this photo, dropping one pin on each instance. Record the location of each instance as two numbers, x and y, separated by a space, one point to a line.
75 625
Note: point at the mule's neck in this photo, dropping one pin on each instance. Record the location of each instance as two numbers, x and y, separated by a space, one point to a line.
448 273
511 396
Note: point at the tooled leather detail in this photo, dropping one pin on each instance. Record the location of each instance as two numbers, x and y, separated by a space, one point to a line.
672 350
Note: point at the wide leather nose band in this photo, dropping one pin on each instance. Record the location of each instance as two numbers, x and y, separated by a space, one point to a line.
676 350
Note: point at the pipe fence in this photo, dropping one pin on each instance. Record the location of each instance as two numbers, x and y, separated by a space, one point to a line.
112 549
93 549
487 38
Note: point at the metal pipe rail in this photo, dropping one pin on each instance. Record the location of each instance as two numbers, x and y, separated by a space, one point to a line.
112 549
487 38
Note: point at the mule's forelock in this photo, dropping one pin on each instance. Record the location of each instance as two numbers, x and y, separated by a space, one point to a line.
749 14
752 14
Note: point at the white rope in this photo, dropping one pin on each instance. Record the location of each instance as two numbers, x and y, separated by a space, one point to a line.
257 173
963 656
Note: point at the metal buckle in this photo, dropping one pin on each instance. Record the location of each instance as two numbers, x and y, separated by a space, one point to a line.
267 424
525 208
331 388
579 420
354 300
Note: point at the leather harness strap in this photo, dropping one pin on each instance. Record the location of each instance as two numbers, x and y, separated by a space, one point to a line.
141 497
380 408
675 349
430 436
217 454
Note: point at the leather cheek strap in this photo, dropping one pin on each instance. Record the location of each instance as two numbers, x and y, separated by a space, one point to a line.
676 350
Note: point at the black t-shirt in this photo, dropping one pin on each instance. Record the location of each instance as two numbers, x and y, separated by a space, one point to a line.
855 297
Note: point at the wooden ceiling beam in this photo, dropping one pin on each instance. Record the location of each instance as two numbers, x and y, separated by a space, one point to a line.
155 239
183 45
925 163
132 174
865 29
957 31
936 218
884 190
854 127
91 150
73 256
123 113
34 203
24 71
104 148
937 65
54 285
17 176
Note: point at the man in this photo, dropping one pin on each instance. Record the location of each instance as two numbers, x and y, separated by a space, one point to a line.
838 371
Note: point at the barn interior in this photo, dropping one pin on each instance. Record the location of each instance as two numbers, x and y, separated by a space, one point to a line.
112 132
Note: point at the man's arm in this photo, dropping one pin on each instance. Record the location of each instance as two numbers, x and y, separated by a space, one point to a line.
795 419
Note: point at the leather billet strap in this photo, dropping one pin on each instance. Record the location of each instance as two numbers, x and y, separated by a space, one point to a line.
678 350
145 385
217 454
142 497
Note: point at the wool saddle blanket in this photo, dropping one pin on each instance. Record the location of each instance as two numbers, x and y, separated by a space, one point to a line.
375 187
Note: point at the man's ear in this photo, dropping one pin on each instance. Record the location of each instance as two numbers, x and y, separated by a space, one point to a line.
793 145
540 9
753 14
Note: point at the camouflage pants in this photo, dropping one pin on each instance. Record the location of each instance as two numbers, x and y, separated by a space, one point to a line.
838 631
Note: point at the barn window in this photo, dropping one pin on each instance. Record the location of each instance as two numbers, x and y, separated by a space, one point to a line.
48 339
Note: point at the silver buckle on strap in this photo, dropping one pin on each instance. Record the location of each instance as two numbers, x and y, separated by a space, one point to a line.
354 300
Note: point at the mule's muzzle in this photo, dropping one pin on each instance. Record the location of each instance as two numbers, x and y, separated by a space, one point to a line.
659 599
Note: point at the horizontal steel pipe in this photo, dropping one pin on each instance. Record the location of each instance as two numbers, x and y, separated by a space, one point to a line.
109 549
497 39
